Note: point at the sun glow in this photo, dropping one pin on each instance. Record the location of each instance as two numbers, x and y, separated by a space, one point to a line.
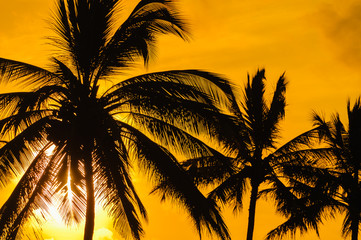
49 151
52 212
70 192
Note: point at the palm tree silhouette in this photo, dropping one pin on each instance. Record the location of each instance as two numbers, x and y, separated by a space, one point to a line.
251 138
335 186
77 140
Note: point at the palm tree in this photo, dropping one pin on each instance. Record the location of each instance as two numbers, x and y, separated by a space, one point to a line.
253 158
77 141
336 186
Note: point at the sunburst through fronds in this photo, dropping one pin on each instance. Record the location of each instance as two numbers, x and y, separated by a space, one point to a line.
95 148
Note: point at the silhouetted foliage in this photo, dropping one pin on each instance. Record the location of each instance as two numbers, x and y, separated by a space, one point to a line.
78 141
335 186
251 138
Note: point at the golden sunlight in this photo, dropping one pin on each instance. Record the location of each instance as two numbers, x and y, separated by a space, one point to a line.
50 150
315 42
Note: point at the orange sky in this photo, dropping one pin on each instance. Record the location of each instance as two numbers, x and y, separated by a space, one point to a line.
316 42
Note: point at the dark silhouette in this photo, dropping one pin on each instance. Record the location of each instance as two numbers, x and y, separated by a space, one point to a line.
333 185
253 130
96 133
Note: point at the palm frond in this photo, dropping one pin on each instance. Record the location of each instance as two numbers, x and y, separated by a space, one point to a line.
303 157
173 137
117 191
255 107
301 216
306 140
276 111
65 74
83 29
136 36
22 102
26 75
20 121
213 85
22 199
15 154
209 170
290 228
70 191
310 196
161 165
232 189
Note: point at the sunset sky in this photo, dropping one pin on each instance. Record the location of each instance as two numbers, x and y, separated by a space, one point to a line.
317 43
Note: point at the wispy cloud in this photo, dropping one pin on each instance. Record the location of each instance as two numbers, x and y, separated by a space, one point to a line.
341 23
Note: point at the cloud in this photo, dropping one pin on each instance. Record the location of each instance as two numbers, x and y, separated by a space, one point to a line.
103 234
342 25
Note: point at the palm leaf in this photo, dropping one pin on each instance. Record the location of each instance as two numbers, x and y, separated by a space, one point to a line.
31 76
163 167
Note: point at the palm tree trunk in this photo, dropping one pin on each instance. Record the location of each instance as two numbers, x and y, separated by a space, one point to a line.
252 211
90 205
354 233
354 228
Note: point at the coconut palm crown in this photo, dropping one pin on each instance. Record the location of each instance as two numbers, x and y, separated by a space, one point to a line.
255 162
78 141
335 186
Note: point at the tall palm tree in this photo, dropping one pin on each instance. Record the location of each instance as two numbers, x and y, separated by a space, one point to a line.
253 158
336 185
78 141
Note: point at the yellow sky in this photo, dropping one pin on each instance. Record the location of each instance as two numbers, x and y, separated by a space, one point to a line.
316 42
